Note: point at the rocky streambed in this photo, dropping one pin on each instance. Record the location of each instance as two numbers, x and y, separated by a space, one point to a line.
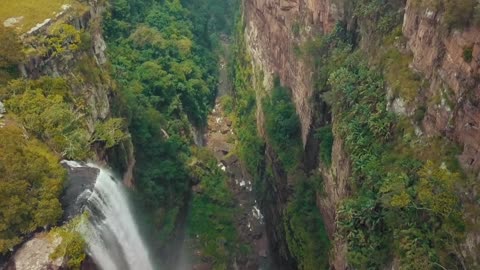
249 222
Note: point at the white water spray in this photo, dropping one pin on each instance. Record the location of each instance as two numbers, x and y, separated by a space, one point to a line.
111 234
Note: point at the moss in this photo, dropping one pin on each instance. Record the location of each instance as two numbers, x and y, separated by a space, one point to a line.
420 114
468 54
398 74
325 135
73 245
305 233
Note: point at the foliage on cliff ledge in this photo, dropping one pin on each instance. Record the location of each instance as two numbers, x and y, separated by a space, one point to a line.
48 110
72 245
305 232
282 126
31 180
403 195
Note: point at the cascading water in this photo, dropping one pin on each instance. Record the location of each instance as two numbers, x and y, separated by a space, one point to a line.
111 234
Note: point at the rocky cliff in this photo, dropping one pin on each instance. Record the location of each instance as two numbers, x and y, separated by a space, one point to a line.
446 59
274 29
84 69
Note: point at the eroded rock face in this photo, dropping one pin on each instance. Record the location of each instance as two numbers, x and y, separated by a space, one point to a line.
273 30
439 55
35 254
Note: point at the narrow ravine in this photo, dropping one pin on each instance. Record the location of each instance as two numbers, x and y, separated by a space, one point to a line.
220 140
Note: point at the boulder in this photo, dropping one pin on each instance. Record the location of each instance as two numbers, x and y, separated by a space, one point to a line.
35 254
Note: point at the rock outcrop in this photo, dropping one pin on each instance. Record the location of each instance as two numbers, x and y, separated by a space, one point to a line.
81 181
274 29
438 53
35 254
450 61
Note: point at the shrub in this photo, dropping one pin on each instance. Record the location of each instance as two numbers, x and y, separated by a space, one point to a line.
282 126
468 54
305 232
325 135
31 180
73 246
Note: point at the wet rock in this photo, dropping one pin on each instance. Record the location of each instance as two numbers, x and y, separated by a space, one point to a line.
81 181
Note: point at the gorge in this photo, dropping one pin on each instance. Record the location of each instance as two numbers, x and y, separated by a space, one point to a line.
239 134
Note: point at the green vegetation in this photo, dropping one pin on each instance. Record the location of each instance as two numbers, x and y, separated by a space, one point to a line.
31 180
306 236
163 58
72 246
403 196
211 217
10 53
468 54
48 110
325 135
405 83
283 127
249 147
33 12
456 13
63 38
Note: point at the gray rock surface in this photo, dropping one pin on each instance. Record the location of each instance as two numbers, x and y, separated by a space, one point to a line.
81 181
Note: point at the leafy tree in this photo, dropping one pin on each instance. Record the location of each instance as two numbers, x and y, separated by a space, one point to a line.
436 189
51 119
283 126
110 132
31 180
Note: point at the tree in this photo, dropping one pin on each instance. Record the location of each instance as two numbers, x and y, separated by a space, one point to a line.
31 181
436 190
110 132
51 119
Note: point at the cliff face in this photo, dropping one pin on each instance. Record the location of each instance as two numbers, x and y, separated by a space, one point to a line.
450 61
273 30
439 56
447 60
95 90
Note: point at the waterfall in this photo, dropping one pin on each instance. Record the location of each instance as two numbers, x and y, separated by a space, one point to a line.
111 234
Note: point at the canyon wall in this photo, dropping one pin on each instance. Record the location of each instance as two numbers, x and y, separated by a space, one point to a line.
273 31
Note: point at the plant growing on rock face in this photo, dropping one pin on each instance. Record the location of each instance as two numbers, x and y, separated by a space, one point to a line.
468 54
63 38
110 132
72 245
282 126
51 119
